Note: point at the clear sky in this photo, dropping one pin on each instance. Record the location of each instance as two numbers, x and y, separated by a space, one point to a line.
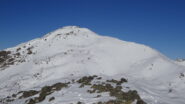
159 24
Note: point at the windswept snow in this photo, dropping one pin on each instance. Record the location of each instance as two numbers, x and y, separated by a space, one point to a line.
71 52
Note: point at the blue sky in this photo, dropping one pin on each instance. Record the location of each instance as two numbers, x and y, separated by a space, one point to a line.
159 24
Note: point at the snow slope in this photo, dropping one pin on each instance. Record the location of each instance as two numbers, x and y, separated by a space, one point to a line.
71 52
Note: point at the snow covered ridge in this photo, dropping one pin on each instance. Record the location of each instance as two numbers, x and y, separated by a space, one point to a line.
180 61
71 53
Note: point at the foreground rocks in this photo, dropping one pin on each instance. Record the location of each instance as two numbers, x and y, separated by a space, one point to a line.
94 84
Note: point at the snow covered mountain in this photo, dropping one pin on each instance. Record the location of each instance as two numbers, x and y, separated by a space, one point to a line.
75 65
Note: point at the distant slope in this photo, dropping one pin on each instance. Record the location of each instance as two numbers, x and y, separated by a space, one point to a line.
180 61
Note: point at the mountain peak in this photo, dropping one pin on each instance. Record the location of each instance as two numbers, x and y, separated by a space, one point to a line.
70 27
68 35
71 31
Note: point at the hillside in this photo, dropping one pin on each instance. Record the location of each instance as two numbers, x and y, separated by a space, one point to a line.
76 65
